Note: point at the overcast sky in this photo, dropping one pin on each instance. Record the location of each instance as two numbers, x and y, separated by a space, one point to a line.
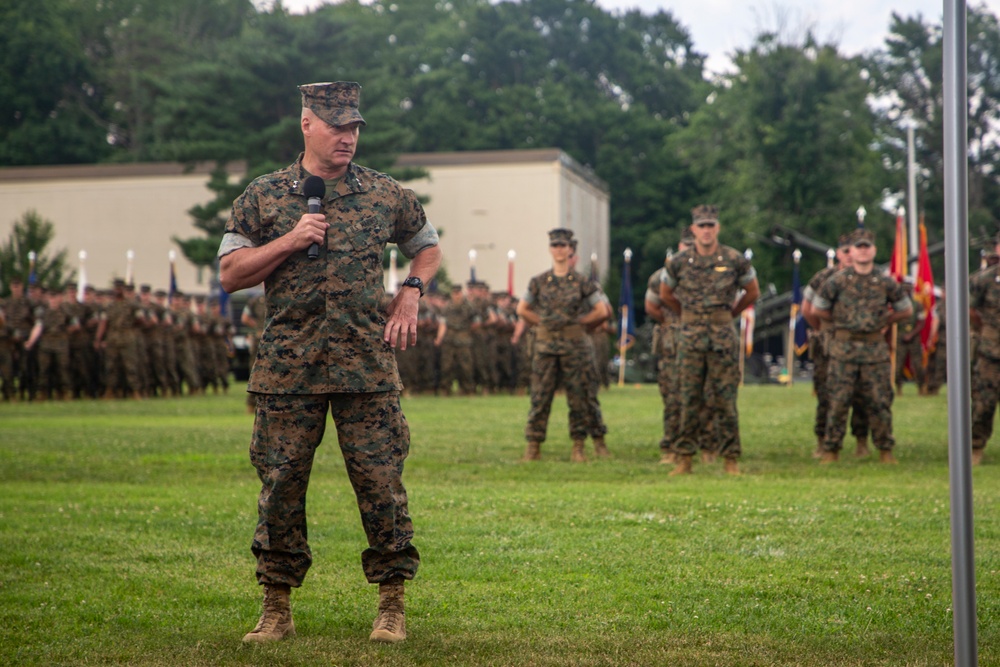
718 27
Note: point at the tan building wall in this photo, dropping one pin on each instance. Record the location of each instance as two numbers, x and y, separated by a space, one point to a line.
497 201
490 201
107 210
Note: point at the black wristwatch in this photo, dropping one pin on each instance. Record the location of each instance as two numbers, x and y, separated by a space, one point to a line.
413 281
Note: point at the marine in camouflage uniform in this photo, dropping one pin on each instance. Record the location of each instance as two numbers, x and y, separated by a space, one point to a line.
118 333
457 362
21 315
937 359
909 347
596 428
184 326
484 354
857 301
665 330
6 356
819 343
328 345
506 368
703 286
984 301
51 334
559 304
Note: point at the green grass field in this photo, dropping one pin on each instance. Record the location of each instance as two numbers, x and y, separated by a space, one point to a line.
125 531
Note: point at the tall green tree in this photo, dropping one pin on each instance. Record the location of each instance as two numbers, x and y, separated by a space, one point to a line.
787 140
50 104
907 78
32 233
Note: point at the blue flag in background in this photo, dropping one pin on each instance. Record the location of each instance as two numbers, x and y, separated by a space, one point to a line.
625 309
798 323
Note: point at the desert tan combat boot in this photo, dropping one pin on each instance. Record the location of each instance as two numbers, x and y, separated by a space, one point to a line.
885 456
708 456
732 466
829 457
533 452
390 624
683 466
577 455
600 448
668 458
818 454
862 449
276 621
977 457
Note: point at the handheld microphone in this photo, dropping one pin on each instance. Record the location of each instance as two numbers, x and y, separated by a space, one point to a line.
314 188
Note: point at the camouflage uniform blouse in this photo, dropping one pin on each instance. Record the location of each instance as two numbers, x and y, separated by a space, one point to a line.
860 305
707 283
560 302
984 298
326 317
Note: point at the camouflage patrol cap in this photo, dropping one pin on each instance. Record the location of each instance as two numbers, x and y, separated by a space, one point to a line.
705 214
560 235
687 236
862 236
145 289
118 282
844 239
335 103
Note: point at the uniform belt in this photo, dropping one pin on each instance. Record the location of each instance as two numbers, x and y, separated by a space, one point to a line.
868 337
714 317
569 331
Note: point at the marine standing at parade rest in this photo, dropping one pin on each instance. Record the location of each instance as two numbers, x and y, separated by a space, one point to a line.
703 285
819 353
328 346
909 347
665 351
861 303
559 304
984 303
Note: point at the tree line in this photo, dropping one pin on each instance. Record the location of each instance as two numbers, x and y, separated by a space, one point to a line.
798 135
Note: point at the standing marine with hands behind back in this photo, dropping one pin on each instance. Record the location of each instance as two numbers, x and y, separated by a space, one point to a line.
708 286
328 345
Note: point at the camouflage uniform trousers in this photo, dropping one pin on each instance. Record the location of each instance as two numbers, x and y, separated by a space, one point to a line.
602 350
187 365
83 369
708 376
121 365
869 384
571 371
985 390
374 439
937 366
821 385
913 351
54 369
7 367
596 428
457 365
484 355
666 378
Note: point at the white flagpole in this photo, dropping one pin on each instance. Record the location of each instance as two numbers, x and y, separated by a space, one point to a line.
81 284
